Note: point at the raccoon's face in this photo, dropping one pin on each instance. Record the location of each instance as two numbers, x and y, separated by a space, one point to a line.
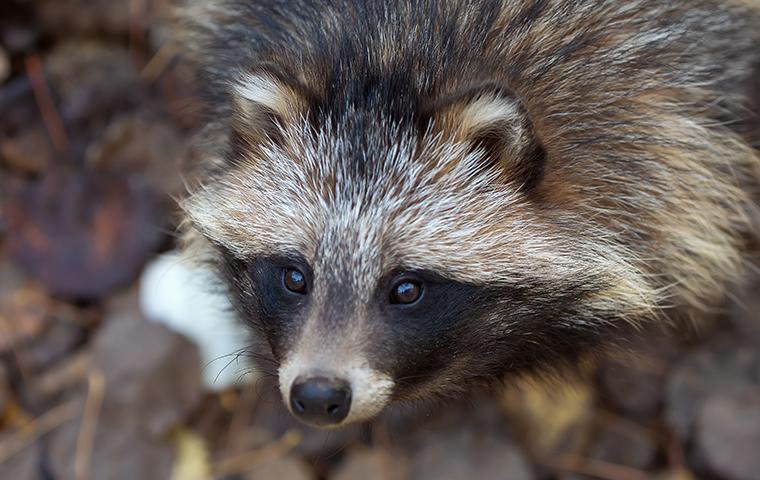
387 260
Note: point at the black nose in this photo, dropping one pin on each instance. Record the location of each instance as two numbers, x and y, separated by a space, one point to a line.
320 401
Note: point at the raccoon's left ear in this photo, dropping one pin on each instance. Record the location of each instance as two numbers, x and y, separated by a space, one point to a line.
262 102
496 122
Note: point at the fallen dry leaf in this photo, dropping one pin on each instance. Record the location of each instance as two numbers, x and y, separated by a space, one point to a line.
83 234
192 456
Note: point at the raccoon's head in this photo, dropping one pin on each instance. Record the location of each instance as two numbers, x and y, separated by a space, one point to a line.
390 256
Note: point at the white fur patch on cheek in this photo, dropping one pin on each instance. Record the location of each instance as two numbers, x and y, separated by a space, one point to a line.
370 390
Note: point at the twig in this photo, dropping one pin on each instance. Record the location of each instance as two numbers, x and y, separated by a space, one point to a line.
86 438
137 10
158 63
244 406
44 99
70 372
244 462
623 425
674 453
44 424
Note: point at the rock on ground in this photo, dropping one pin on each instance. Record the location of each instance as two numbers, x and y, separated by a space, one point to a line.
714 406
729 434
466 455
284 468
726 365
467 445
118 454
372 464
152 375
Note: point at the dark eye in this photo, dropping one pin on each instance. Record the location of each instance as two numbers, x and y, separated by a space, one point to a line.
294 280
406 292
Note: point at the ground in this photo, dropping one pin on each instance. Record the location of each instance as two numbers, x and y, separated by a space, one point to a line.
96 113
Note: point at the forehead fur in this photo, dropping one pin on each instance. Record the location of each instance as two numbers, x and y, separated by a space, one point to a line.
401 201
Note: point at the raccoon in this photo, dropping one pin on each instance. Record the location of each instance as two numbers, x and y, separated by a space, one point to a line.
412 199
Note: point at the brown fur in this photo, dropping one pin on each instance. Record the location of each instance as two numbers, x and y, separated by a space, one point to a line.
601 155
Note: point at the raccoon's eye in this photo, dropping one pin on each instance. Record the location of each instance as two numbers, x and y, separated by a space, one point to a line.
294 280
406 292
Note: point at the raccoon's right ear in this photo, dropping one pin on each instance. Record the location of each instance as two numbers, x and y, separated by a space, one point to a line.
262 103
495 122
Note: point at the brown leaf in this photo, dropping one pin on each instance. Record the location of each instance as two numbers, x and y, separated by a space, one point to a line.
83 234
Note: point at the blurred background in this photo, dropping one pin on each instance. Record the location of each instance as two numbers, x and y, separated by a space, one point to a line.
99 379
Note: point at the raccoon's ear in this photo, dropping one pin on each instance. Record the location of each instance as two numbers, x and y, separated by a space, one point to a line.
495 121
263 102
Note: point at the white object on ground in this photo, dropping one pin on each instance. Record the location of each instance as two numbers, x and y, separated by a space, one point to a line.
185 297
